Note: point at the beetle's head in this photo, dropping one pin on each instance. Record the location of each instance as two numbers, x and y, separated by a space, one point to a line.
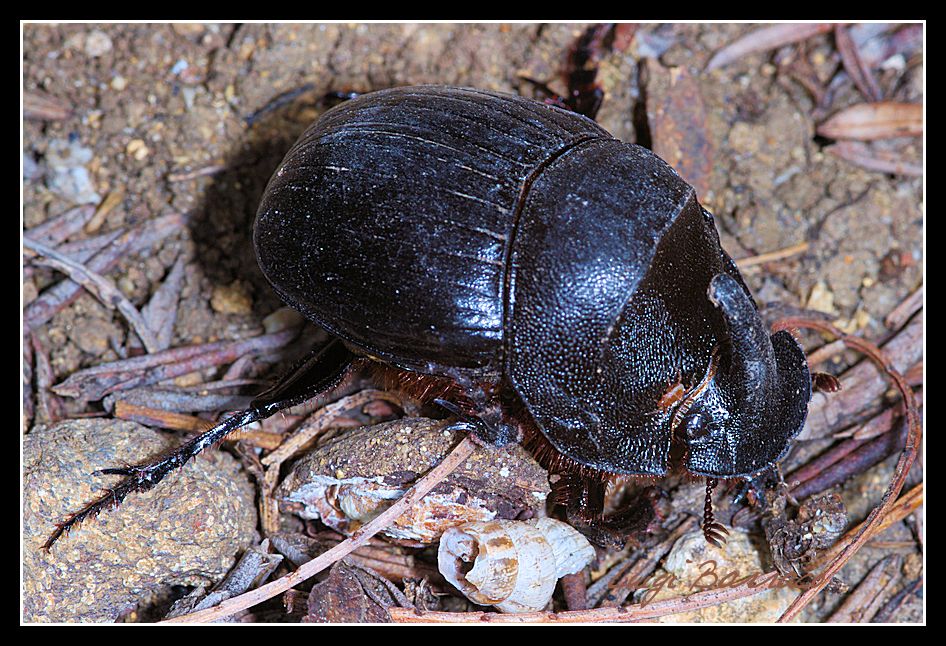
752 400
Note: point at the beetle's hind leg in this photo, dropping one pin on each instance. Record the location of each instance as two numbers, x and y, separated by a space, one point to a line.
321 370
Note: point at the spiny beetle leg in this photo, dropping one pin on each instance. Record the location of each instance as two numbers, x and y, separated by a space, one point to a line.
143 477
483 432
331 99
321 370
752 489
550 97
635 523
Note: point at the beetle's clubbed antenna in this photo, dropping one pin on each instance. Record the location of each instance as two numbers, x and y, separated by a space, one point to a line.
712 531
319 371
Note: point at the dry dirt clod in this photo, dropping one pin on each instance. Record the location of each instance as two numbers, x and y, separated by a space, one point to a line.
355 477
187 531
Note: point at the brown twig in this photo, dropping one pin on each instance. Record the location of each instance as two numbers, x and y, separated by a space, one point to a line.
907 456
870 121
858 456
860 154
60 228
771 256
51 301
456 457
202 399
197 172
631 613
387 559
160 313
98 381
81 250
903 312
825 352
764 39
159 418
575 590
48 406
864 384
885 614
865 599
103 289
28 390
106 206
40 106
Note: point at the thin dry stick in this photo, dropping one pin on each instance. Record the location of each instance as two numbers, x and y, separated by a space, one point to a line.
636 612
420 489
900 473
101 287
825 352
778 254
905 310
864 601
765 39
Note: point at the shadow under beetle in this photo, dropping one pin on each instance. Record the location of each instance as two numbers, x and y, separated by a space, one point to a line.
564 288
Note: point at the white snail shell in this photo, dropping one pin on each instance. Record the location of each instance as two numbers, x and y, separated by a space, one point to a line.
515 564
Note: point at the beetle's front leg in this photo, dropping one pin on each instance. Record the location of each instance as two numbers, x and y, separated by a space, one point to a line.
637 521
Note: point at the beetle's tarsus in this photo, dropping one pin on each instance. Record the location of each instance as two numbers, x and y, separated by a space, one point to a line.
752 489
482 432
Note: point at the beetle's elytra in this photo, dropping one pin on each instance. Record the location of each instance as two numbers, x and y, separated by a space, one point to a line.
568 286
507 244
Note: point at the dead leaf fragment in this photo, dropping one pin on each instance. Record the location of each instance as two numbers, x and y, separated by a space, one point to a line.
860 154
765 39
350 594
39 106
869 121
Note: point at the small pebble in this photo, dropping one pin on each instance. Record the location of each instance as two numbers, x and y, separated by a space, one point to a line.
98 44
231 299
137 148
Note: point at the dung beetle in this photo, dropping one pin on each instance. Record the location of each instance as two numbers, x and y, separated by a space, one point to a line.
565 288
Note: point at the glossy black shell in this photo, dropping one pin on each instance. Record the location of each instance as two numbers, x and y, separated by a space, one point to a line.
453 231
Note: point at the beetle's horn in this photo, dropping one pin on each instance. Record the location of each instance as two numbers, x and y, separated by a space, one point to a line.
752 358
